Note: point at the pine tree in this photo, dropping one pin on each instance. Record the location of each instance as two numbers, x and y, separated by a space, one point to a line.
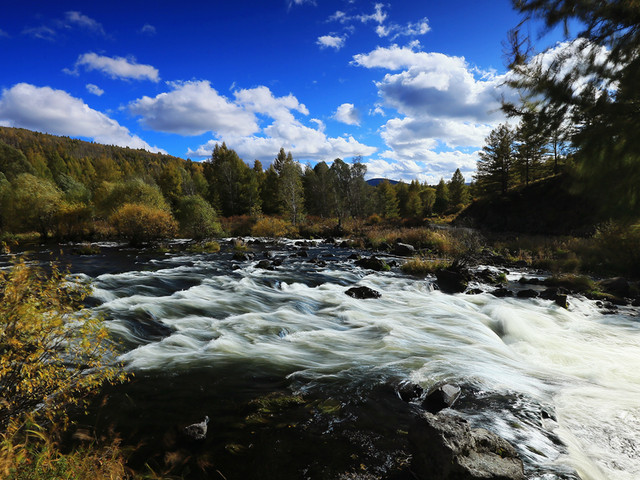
494 169
290 188
458 191
442 197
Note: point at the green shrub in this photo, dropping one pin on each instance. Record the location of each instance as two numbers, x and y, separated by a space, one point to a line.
197 218
423 266
141 223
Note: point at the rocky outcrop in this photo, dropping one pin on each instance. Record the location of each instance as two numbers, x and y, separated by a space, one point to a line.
444 447
363 293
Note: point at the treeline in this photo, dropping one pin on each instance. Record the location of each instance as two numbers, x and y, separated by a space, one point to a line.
73 189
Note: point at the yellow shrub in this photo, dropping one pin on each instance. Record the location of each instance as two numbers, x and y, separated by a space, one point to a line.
141 223
271 227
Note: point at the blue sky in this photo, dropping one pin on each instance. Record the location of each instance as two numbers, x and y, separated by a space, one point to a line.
411 86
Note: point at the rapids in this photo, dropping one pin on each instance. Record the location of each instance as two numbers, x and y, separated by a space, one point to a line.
563 386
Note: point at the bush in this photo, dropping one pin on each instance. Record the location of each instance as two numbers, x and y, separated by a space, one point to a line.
141 223
197 218
271 227
423 266
51 356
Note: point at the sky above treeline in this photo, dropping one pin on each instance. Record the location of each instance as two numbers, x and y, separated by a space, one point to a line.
413 87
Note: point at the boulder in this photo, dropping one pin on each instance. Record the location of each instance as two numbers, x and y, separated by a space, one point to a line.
561 300
363 293
408 391
444 447
453 280
373 263
264 264
528 293
502 292
404 250
441 397
242 256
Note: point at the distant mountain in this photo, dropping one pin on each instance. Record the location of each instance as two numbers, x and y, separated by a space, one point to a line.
374 182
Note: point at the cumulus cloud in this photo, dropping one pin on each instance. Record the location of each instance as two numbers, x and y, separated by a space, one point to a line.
442 102
331 41
116 67
282 129
55 111
74 18
347 113
193 108
94 89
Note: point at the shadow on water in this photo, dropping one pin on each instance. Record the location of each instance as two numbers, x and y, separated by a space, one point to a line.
259 427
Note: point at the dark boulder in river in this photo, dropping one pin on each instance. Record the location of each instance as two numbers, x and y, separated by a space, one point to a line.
373 263
444 447
441 397
363 293
453 280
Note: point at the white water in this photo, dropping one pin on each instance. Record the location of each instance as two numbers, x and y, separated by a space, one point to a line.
579 363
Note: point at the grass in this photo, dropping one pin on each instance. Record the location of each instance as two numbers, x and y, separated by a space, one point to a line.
420 266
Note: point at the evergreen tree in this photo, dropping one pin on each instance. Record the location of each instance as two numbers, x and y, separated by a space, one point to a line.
442 197
530 148
458 191
494 171
387 200
290 189
269 194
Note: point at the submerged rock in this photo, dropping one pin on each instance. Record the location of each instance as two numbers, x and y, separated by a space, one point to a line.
441 397
502 292
363 293
444 447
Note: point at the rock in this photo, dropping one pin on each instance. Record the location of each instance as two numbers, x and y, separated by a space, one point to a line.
268 254
453 280
264 264
441 397
444 447
528 293
242 256
617 286
502 292
561 300
302 253
277 262
363 293
408 391
474 291
404 250
197 431
354 256
373 263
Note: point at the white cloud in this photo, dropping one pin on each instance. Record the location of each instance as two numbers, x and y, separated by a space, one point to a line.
116 67
394 30
55 111
94 89
378 16
43 33
83 21
193 108
261 100
347 113
148 29
331 41
430 169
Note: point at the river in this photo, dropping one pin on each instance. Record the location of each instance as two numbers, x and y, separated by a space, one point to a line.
299 379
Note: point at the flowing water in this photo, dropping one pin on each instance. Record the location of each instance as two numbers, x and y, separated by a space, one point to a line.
206 335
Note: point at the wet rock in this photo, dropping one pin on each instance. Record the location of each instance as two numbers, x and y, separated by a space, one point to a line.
453 280
242 256
384 247
441 397
197 431
302 253
502 292
529 281
528 293
354 256
147 326
363 292
264 264
373 263
408 391
404 250
474 291
268 254
444 447
277 262
561 300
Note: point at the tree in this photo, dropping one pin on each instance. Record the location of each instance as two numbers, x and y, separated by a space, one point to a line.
142 223
13 162
197 218
269 194
442 197
530 147
494 173
110 196
387 200
230 182
458 191
593 84
290 188
52 356
31 204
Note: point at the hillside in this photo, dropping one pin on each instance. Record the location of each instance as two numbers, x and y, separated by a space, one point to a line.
549 206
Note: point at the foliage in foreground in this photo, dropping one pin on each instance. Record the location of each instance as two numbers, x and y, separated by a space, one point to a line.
53 355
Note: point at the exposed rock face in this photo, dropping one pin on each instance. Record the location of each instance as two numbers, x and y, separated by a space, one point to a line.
373 263
363 293
444 447
441 397
404 250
